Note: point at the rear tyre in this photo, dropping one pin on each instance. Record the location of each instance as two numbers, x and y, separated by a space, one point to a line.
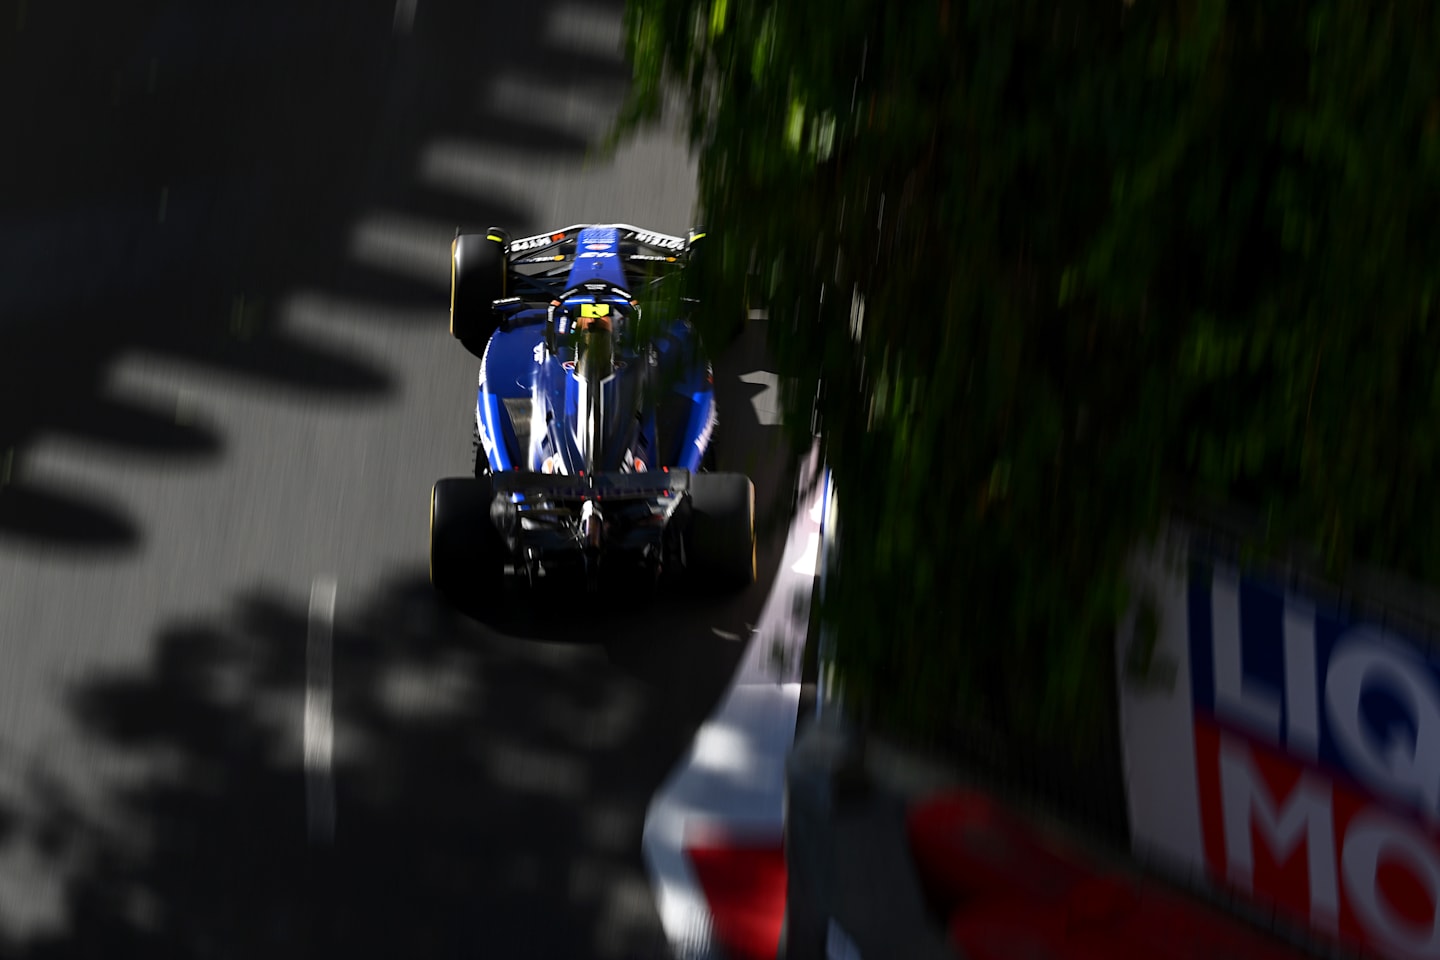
478 271
721 547
712 273
467 553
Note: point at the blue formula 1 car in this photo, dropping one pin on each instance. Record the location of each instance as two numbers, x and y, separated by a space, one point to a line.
594 419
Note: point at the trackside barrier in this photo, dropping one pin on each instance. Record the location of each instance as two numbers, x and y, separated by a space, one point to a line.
713 840
828 696
853 887
1281 741
880 838
853 891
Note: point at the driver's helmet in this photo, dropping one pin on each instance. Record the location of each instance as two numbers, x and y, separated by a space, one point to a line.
599 314
597 326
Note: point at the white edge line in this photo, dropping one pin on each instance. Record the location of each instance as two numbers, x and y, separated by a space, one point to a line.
684 912
404 15
319 720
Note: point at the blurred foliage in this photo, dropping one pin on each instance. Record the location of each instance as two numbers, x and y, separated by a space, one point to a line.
1060 267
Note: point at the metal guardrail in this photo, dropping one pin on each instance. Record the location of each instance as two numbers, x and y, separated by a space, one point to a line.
852 889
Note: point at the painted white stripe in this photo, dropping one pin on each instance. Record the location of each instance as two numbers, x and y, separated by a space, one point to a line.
809 561
319 721
731 782
767 401
405 15
838 945
824 515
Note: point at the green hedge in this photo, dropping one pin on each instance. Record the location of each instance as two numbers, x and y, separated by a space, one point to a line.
1109 255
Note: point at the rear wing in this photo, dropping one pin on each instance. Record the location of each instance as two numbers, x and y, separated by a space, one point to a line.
636 244
534 263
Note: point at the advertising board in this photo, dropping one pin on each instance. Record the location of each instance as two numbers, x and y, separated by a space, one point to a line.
1287 749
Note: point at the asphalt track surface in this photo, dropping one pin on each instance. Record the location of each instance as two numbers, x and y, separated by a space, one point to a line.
234 721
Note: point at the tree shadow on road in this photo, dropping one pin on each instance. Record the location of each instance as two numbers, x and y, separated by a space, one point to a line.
489 790
175 170
182 169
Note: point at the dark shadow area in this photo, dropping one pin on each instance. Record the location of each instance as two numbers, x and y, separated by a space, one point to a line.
490 783
63 520
743 444
490 792
128 425
174 169
181 169
561 610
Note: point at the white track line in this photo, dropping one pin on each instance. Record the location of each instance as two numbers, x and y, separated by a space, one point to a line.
731 781
319 722
405 15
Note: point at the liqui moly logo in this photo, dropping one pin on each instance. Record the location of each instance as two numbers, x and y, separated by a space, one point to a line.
1317 745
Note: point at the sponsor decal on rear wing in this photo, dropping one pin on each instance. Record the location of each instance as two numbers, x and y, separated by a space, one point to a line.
627 257
541 240
628 234
662 241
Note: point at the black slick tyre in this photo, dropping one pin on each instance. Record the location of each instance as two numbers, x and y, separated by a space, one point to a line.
467 553
477 279
721 545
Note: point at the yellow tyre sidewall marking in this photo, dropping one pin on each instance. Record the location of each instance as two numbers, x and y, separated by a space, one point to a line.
754 573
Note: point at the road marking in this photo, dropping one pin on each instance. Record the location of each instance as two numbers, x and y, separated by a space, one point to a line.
809 560
730 784
405 15
319 723
838 945
767 401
